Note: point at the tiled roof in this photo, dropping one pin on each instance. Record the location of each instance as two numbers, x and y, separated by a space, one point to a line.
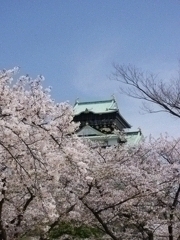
133 137
106 106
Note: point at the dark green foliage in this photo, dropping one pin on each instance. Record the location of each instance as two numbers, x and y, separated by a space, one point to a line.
80 232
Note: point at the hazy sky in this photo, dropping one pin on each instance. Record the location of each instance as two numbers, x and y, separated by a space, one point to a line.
73 43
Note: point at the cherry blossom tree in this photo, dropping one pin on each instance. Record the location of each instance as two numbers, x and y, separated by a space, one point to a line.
49 175
39 156
134 193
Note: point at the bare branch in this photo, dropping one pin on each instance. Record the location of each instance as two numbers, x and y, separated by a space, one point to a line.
149 88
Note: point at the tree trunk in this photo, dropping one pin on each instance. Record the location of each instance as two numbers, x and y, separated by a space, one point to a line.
3 235
150 236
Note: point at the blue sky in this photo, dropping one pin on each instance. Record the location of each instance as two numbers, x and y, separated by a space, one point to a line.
73 43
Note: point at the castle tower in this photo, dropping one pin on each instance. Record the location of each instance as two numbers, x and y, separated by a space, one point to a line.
101 121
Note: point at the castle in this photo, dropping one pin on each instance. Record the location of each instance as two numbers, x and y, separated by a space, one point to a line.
102 122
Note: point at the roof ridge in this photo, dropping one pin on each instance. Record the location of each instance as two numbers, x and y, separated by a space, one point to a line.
99 101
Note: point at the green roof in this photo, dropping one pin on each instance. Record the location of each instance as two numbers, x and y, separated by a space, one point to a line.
133 137
97 107
89 131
